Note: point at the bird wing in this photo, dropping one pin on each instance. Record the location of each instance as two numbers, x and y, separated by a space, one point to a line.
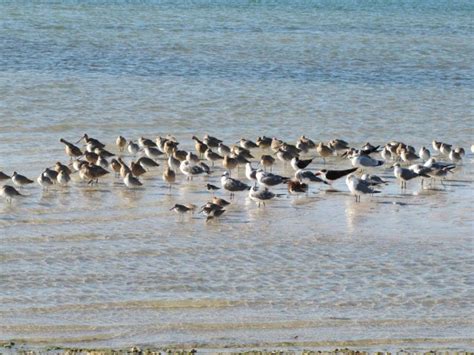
336 174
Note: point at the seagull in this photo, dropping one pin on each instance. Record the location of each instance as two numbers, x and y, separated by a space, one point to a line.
332 175
260 195
364 161
232 185
404 174
269 179
358 187
308 176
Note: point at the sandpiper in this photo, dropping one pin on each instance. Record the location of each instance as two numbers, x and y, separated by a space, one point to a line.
181 209
436 145
147 163
212 188
223 149
124 169
179 154
211 142
174 163
200 146
260 195
244 152
229 163
295 187
285 156
220 201
91 143
170 146
455 156
424 153
9 193
324 151
304 144
51 174
146 142
121 143
131 181
72 151
101 161
408 156
276 144
192 158
20 180
212 212
232 185
358 187
92 173
263 142
445 149
137 169
247 144
44 181
211 156
133 148
152 152
250 173
267 161
169 176
63 178
338 145
4 176
91 157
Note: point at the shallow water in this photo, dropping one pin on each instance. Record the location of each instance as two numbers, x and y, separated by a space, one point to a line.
106 266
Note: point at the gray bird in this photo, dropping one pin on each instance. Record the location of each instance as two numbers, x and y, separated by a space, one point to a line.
232 185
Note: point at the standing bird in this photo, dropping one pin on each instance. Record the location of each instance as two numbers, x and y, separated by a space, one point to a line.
20 180
72 151
295 187
133 148
424 154
200 146
232 185
260 195
211 156
4 176
169 176
298 164
9 193
324 151
210 141
121 143
63 178
359 187
267 161
131 181
44 181
404 174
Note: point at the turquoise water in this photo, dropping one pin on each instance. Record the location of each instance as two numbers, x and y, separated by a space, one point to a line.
105 266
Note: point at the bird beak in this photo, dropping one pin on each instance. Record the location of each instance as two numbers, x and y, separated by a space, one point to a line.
80 140
172 208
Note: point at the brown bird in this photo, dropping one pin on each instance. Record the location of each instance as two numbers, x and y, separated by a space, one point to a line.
295 187
4 176
169 176
121 143
20 180
92 173
72 151
267 161
137 169
200 146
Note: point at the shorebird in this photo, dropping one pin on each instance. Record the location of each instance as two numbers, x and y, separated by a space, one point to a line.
408 156
147 163
368 148
9 193
137 169
181 209
276 144
386 154
4 176
212 211
247 144
191 158
211 156
58 167
152 152
131 181
20 180
285 156
200 146
307 177
220 201
229 163
121 143
364 161
91 143
133 148
244 152
424 153
373 180
263 142
269 179
169 176
212 188
44 181
267 161
250 173
333 175
436 145
359 187
455 156
92 173
63 178
77 164
170 146
146 142
210 141
223 149
260 195
91 157
102 162
404 174
232 185
72 151
305 144
445 149
338 145
51 174
295 187
174 163
298 164
191 170
324 151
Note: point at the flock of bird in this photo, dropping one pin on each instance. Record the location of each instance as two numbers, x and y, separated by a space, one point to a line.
92 161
